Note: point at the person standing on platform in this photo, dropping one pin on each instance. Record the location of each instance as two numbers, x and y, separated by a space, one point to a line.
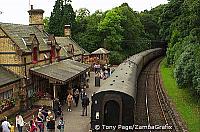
69 101
82 93
85 103
12 127
76 97
56 105
50 122
33 127
61 124
40 121
5 125
19 122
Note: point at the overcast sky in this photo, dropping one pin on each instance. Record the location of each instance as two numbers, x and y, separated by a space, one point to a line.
15 11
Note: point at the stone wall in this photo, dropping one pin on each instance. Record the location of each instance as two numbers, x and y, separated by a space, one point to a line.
16 89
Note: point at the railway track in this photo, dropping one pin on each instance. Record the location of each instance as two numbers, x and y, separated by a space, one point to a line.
152 107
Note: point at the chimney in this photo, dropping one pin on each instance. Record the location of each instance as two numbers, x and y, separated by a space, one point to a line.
31 7
67 31
36 18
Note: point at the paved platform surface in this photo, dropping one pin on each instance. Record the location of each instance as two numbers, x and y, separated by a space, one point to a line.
74 122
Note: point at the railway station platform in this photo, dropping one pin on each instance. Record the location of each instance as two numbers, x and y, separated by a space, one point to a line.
74 122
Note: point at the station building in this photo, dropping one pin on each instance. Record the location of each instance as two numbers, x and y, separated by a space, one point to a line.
35 62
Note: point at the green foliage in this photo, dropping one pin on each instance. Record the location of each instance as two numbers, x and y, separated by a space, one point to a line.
68 17
186 102
133 33
116 58
86 32
196 79
184 68
111 30
55 26
150 21
62 14
169 15
118 29
46 23
181 28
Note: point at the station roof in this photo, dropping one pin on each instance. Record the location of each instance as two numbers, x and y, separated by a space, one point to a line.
100 51
67 44
61 72
7 77
20 35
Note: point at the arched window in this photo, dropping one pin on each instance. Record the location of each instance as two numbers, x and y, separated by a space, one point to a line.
35 57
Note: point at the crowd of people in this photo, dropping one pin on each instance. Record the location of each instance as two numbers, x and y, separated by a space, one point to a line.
75 98
46 117
102 71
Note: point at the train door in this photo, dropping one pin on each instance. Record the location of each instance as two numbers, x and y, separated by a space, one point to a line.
111 113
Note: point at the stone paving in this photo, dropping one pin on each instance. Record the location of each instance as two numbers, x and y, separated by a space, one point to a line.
74 122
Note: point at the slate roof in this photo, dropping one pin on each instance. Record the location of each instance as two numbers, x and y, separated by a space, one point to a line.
20 35
61 71
65 42
7 77
100 51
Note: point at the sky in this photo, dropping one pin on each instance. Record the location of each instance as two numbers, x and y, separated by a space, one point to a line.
15 11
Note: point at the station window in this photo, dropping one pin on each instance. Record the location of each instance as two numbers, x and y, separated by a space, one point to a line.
53 55
6 95
35 56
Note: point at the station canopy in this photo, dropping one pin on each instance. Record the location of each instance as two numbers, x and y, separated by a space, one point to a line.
60 72
100 51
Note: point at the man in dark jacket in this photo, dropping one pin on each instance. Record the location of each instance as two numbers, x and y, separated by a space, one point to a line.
85 103
56 105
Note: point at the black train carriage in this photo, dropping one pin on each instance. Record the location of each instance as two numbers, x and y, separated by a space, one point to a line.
114 103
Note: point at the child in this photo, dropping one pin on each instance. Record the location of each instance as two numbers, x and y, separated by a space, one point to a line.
62 124
33 127
12 127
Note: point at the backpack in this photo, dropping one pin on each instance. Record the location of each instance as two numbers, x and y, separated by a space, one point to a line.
87 101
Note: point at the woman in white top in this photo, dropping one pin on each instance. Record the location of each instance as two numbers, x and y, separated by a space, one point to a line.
5 125
19 122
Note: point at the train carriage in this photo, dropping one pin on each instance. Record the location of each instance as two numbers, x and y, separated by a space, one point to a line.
114 103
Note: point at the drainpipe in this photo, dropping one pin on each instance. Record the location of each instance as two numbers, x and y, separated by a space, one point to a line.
25 67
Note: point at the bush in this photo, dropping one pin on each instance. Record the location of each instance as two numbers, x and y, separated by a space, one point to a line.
184 68
116 58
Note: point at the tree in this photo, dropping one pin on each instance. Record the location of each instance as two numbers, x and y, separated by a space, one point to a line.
46 23
55 26
86 30
111 30
171 11
116 57
134 37
62 14
150 21
68 17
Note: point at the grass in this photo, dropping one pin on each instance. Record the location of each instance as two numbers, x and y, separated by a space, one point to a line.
187 104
